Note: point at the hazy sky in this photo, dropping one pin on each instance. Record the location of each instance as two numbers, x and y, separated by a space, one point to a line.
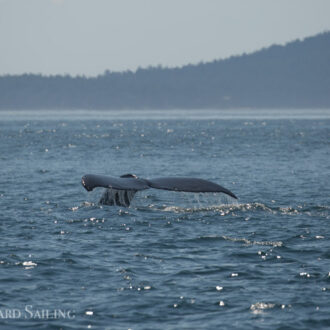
89 36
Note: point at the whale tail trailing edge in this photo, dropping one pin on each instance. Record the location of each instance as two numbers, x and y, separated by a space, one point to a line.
188 185
120 191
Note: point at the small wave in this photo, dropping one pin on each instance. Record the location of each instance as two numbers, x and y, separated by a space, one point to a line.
69 146
223 209
83 205
260 307
29 264
246 241
208 238
249 242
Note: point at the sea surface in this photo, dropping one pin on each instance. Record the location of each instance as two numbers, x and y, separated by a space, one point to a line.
171 260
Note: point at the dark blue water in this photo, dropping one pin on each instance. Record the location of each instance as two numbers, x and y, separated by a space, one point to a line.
172 260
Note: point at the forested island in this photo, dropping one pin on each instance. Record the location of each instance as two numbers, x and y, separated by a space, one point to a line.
296 75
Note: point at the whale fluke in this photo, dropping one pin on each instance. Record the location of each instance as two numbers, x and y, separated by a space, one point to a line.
120 191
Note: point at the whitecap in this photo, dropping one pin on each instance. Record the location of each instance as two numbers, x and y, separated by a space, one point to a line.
259 307
249 242
29 264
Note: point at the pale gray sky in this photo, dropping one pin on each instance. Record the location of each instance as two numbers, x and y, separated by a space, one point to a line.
90 36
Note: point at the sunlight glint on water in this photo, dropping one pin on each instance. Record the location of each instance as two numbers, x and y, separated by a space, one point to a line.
178 260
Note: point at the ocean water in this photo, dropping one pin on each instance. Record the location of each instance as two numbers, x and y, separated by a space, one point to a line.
171 260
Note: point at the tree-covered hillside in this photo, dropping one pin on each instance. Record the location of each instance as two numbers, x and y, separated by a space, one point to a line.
294 75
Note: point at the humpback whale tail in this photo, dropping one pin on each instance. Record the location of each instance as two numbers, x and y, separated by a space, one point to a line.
120 191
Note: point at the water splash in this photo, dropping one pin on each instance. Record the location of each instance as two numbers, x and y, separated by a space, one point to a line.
117 197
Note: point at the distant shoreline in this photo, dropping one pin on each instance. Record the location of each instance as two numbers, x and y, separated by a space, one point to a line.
296 75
